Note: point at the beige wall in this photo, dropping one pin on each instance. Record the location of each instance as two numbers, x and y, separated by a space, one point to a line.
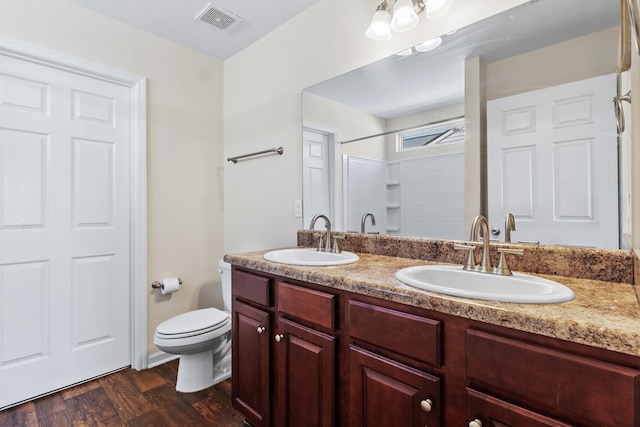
349 123
262 106
184 129
577 59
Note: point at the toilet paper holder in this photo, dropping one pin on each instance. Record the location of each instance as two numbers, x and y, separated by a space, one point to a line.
158 285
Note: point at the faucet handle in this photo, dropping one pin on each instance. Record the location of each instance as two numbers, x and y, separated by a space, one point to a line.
320 245
470 263
336 249
503 267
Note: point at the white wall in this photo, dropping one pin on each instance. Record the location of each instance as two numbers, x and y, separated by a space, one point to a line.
262 106
184 129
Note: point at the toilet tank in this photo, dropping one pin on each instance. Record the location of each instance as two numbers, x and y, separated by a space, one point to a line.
225 273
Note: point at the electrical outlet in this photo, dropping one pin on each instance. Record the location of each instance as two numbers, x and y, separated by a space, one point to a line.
297 211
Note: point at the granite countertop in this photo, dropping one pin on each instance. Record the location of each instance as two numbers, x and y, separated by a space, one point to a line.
603 314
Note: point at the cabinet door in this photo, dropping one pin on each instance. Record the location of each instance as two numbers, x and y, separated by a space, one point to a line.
305 376
250 363
487 411
386 393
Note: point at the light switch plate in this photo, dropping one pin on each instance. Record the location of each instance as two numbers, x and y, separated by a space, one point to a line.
297 211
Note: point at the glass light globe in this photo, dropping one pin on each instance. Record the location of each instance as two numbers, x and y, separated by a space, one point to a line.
405 17
379 29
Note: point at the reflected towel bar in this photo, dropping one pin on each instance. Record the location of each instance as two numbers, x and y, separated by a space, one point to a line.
235 159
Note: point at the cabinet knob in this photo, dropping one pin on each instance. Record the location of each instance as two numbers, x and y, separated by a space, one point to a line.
278 337
426 405
475 423
261 329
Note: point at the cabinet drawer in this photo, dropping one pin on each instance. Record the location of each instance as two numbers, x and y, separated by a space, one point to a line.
577 387
306 304
406 334
495 412
251 287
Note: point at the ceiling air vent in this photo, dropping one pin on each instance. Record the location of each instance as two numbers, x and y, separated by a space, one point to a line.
218 18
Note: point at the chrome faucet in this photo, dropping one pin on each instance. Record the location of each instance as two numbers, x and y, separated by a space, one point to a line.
327 243
509 226
480 222
364 218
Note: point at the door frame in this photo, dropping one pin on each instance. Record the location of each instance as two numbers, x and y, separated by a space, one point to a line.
138 213
332 134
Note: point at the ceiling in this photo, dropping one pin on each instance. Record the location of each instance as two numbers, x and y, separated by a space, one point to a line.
401 85
174 20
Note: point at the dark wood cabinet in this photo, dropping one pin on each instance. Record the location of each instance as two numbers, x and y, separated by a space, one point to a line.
284 352
387 393
312 355
305 376
251 363
488 411
581 389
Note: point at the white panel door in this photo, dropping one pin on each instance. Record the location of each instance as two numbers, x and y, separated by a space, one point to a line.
316 175
552 161
64 228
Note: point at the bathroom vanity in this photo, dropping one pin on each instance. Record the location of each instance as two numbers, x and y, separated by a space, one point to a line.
352 346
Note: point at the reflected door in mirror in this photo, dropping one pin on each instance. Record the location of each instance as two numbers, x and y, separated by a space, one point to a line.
552 160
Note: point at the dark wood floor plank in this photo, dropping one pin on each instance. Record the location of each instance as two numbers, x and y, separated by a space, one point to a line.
62 418
150 419
218 414
93 408
147 379
177 415
168 371
49 405
166 396
79 389
129 398
22 415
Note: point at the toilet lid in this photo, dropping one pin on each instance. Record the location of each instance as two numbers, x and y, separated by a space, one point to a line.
192 321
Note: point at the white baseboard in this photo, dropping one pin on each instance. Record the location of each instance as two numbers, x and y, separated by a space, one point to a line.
160 357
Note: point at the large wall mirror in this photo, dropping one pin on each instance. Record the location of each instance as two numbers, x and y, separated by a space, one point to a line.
391 138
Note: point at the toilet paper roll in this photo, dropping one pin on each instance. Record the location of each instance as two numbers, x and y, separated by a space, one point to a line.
169 285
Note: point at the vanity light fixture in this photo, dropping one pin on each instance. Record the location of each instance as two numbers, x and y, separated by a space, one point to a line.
404 17
380 28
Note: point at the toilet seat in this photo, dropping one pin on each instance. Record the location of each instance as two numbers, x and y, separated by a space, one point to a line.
193 323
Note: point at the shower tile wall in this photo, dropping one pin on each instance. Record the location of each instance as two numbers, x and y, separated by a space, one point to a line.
432 195
419 197
366 192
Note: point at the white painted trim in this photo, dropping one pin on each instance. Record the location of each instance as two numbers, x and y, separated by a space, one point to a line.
334 155
139 282
137 84
160 357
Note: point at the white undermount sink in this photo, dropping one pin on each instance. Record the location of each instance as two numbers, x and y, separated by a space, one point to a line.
453 280
311 257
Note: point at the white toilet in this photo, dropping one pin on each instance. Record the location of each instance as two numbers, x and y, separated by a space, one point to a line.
202 338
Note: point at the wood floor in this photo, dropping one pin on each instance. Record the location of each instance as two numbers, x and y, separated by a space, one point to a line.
129 398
